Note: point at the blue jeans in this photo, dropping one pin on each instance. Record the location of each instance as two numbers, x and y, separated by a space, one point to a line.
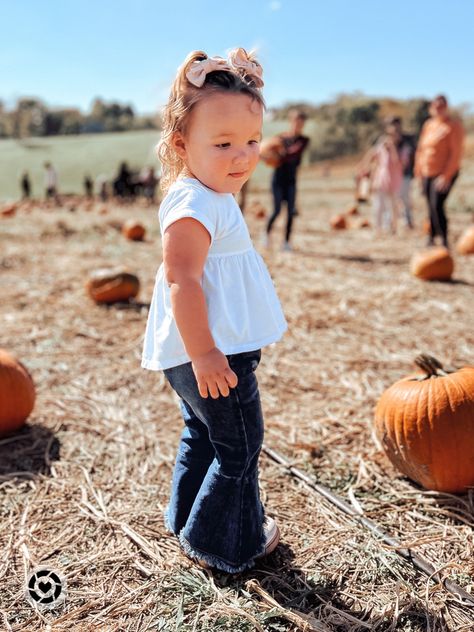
215 508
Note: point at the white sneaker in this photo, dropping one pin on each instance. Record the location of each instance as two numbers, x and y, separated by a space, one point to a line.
272 535
286 247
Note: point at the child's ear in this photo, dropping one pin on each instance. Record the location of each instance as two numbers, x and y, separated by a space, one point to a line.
178 144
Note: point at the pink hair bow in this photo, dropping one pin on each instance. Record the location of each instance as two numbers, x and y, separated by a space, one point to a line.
196 74
240 61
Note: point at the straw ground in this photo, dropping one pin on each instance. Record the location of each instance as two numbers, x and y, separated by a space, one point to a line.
84 484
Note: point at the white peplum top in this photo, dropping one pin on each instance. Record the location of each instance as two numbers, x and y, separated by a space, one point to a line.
244 312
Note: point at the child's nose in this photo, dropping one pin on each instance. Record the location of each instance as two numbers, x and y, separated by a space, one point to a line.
242 154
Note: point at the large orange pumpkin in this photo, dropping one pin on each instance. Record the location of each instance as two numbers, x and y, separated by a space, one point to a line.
465 244
271 151
425 423
433 264
109 285
134 230
17 393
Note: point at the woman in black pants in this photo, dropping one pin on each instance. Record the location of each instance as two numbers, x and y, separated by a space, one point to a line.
436 200
284 176
437 162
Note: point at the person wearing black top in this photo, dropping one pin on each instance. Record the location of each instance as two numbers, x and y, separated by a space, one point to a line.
25 185
284 176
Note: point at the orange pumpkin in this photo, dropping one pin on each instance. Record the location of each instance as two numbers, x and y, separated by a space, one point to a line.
465 244
109 285
338 222
9 210
433 264
17 393
353 210
258 210
132 229
271 151
425 423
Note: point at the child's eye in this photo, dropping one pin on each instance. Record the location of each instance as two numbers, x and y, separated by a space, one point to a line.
253 142
223 145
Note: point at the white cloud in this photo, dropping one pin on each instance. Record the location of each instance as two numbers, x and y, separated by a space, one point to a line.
275 5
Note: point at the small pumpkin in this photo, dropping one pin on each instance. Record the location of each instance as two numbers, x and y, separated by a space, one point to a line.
465 244
258 210
363 223
9 210
271 151
425 424
17 393
433 264
110 285
134 230
353 210
338 222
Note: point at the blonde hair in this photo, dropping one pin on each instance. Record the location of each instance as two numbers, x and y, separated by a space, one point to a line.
184 96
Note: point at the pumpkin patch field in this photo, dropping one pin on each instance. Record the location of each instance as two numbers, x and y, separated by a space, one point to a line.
85 479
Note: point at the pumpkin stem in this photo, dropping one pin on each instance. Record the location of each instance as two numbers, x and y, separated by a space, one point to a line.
430 365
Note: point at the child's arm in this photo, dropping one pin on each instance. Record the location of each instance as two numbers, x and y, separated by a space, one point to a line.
363 168
185 246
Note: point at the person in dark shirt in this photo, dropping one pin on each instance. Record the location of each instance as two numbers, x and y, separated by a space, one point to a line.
88 186
25 185
284 176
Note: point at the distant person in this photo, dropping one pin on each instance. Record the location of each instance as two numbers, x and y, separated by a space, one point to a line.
284 176
437 163
25 185
51 182
386 165
88 186
149 182
123 182
102 186
406 147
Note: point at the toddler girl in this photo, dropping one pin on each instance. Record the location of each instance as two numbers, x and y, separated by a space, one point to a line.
213 307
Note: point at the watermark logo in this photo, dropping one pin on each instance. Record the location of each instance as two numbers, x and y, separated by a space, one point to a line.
46 588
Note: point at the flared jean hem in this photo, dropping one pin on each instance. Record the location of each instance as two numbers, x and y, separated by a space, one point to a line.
212 560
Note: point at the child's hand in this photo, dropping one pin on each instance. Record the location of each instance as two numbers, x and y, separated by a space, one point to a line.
213 374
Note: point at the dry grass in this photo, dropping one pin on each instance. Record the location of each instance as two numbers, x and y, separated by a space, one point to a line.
83 485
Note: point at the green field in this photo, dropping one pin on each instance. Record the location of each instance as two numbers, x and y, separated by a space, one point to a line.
74 156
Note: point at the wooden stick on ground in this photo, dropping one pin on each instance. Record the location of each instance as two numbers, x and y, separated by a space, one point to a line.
408 555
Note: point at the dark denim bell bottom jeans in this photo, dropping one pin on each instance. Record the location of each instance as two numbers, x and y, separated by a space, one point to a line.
215 508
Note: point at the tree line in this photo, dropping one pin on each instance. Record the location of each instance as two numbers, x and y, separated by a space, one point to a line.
32 117
342 127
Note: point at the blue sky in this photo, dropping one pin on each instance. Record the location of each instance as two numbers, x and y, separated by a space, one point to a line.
68 52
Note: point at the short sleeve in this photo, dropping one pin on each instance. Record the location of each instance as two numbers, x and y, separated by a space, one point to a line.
189 201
